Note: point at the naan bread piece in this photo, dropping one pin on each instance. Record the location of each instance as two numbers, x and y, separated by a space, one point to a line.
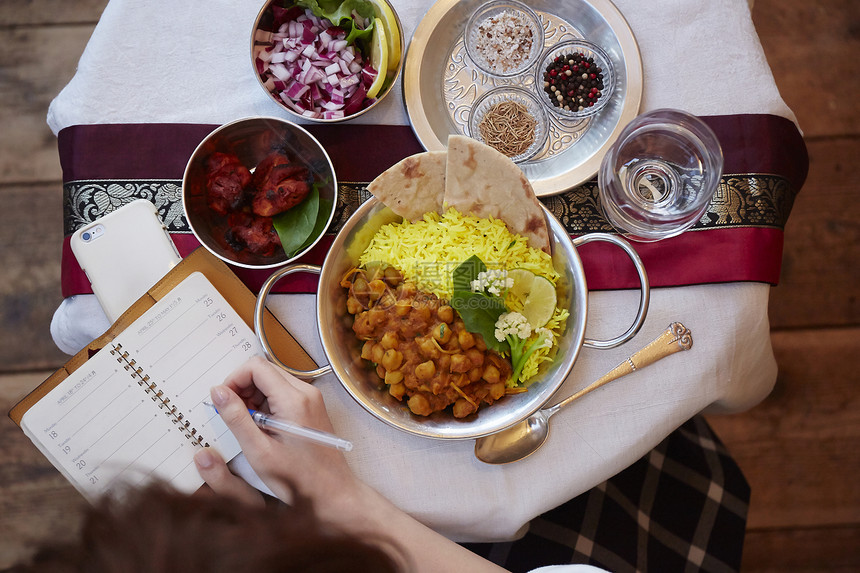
413 186
484 182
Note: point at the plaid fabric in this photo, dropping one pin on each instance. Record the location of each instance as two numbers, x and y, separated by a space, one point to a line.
682 507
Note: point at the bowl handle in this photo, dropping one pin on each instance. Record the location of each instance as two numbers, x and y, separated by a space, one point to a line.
645 292
260 307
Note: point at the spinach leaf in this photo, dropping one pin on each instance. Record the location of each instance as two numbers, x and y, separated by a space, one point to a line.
466 272
322 220
479 313
295 225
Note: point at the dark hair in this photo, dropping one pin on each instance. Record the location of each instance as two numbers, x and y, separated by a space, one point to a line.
158 529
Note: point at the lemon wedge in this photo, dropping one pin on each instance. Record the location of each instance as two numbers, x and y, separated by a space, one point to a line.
378 58
540 302
392 31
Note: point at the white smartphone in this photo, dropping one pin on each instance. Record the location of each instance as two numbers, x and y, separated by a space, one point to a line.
123 254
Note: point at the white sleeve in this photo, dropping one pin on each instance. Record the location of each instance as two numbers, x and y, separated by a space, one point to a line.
573 568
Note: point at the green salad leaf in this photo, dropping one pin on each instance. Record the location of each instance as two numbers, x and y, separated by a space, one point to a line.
339 13
295 226
479 310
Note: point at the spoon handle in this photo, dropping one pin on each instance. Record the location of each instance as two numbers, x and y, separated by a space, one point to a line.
676 338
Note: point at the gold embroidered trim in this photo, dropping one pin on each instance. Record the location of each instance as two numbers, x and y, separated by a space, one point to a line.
742 200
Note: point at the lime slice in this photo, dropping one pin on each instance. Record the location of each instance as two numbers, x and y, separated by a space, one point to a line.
522 283
540 303
378 58
392 32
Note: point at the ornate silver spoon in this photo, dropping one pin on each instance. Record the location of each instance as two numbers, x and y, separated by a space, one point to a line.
525 437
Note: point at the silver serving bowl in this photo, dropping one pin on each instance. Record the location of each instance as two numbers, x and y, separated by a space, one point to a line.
252 139
342 348
263 23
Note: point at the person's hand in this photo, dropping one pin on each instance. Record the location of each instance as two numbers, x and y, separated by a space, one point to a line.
286 464
290 465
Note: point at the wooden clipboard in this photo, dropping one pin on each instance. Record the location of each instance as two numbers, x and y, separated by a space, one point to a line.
224 280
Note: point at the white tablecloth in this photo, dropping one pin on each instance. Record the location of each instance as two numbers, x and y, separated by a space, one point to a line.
167 61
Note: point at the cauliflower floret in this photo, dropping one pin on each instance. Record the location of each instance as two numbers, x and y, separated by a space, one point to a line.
493 281
515 329
547 337
512 323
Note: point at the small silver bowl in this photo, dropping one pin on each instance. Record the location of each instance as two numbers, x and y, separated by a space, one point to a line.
261 38
252 139
588 50
514 94
474 41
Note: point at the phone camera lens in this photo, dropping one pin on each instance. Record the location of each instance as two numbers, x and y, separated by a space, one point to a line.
86 236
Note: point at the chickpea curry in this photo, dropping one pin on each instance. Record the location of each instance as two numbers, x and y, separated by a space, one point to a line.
420 346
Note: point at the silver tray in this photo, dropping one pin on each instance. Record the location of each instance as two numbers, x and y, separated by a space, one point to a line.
440 84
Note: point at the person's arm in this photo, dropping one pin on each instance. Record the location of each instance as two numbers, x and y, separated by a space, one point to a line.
320 474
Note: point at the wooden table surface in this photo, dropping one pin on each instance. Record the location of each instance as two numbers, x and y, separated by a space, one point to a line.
800 448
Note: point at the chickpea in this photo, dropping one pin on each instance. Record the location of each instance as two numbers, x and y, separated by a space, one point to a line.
359 287
387 300
376 287
475 356
402 308
392 359
427 348
353 306
426 370
366 350
397 390
380 371
475 374
445 313
466 339
422 311
419 405
480 344
497 390
392 276
491 374
394 377
406 290
462 408
375 316
389 340
442 332
376 353
460 363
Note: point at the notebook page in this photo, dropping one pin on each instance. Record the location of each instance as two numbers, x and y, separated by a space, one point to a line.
98 427
192 344
103 425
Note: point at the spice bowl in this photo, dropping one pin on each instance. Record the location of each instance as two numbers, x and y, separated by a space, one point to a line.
500 119
504 38
588 60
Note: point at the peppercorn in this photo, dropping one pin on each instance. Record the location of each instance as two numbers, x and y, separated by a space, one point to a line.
564 72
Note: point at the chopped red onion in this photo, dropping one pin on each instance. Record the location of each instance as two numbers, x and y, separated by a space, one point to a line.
308 64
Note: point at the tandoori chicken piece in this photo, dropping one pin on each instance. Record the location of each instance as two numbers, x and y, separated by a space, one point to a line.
257 234
279 185
226 180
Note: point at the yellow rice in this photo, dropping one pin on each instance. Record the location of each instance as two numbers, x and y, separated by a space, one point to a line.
428 251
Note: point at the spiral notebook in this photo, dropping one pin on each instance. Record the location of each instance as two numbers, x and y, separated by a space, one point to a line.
133 411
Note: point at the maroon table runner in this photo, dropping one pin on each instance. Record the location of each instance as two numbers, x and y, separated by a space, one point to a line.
739 239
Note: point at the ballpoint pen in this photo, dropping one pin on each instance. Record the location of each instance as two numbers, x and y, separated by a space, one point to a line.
269 422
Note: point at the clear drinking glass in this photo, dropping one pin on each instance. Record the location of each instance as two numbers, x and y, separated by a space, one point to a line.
659 176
